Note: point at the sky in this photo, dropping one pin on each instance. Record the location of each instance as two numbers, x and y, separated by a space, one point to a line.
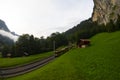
43 17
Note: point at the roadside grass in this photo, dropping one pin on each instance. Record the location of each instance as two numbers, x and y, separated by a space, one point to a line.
12 62
100 61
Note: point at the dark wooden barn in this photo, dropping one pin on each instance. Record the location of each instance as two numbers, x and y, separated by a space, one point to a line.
82 43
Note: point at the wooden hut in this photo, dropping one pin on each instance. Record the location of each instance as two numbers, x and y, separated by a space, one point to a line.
82 43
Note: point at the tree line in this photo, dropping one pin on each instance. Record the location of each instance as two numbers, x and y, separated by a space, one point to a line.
30 45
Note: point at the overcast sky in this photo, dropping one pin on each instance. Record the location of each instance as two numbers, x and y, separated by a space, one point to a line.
43 17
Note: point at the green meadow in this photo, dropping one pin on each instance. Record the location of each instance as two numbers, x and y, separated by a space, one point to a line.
100 61
11 62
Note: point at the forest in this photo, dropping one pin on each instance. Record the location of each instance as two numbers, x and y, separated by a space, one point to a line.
30 45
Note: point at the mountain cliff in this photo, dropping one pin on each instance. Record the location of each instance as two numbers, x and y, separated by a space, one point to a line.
105 10
3 26
6 37
105 18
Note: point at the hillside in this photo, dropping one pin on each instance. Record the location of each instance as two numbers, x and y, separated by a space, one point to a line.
105 18
100 61
85 29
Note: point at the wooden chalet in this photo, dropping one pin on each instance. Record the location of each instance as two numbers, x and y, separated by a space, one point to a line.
82 43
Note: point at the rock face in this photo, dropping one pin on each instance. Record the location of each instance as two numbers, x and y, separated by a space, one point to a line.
3 26
105 10
6 37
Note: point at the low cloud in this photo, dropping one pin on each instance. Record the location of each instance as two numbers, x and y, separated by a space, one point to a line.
9 35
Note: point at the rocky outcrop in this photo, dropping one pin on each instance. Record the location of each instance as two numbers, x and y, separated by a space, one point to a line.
105 10
3 26
6 37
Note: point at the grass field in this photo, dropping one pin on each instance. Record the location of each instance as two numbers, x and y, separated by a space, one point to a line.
100 61
9 62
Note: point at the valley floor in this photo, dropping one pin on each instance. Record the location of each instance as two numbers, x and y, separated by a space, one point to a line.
100 61
12 62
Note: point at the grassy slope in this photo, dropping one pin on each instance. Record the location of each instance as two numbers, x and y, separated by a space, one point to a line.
101 61
8 62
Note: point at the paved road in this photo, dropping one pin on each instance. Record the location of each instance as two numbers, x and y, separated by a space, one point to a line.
10 72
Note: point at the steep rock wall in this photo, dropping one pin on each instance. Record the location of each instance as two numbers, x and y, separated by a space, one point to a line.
105 10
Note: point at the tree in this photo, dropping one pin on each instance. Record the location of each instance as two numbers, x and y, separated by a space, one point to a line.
110 27
5 50
59 38
118 23
22 45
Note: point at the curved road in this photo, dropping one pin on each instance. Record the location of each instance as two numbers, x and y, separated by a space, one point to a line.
10 72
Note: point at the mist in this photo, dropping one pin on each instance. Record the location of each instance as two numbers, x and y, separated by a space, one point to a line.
9 35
